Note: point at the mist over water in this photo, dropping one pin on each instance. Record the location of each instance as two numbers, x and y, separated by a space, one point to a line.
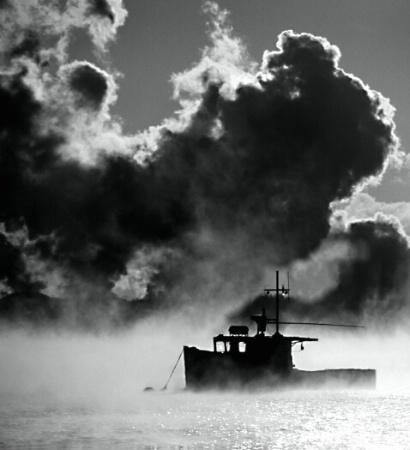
83 368
115 368
79 392
116 250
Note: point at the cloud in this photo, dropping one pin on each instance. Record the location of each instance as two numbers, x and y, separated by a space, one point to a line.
102 8
373 284
364 206
90 84
370 278
100 18
242 179
271 157
377 278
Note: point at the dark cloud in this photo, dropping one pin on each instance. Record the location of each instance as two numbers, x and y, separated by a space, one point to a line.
29 45
17 124
36 310
20 107
371 286
242 180
374 284
13 269
101 8
302 136
94 217
30 308
100 215
90 83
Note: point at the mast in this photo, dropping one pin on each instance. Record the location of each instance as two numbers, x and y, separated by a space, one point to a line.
262 320
279 291
277 301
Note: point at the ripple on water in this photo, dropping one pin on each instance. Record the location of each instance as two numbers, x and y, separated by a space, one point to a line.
302 420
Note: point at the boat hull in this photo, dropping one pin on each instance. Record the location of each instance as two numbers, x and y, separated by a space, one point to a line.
206 370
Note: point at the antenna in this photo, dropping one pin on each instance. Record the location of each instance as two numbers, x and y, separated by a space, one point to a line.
288 286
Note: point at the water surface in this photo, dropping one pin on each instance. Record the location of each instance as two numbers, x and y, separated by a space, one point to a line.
289 420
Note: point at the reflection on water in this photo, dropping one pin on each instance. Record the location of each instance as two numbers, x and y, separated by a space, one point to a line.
290 420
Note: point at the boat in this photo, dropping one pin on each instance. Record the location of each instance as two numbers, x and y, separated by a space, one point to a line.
263 361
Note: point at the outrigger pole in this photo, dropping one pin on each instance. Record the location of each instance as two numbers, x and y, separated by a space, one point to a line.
286 291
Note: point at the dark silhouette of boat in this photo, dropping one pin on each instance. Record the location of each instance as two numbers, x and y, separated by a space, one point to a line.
240 361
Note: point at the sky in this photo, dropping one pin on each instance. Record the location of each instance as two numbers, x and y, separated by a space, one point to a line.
171 155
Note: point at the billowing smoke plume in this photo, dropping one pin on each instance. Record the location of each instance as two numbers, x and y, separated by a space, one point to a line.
240 181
